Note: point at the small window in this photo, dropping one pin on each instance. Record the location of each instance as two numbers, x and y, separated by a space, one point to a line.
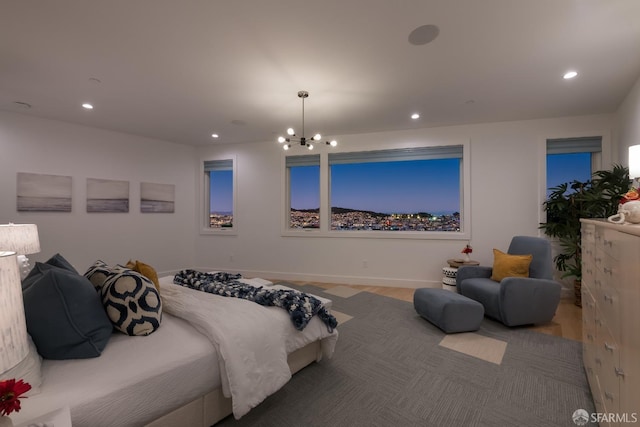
219 194
572 159
303 175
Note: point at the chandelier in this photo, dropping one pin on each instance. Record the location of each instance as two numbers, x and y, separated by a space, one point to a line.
305 142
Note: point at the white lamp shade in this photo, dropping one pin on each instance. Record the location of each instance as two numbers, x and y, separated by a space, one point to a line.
14 344
19 238
634 161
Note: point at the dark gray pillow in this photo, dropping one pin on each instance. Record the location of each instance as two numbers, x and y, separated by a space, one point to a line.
65 316
55 261
59 261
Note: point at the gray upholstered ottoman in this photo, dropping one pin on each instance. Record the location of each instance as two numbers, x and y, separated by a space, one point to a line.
449 311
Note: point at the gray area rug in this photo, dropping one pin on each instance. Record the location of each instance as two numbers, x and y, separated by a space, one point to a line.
388 370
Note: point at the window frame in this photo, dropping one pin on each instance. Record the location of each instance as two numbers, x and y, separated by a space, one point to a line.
287 187
598 160
205 201
325 209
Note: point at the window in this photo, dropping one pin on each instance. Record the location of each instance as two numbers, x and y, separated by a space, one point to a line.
219 194
415 189
303 174
572 159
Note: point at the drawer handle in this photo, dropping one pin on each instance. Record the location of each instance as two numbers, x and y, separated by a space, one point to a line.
598 361
608 298
619 372
607 242
590 337
609 347
608 395
607 271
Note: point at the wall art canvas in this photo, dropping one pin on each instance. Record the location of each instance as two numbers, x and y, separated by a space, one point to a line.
43 193
107 195
157 198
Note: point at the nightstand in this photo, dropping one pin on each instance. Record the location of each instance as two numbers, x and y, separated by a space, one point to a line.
57 418
450 272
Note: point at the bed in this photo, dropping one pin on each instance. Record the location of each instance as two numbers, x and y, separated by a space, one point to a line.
178 375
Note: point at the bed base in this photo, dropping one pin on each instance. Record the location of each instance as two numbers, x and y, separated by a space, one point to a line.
207 410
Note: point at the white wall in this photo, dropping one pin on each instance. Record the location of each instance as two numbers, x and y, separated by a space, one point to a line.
507 182
628 124
507 174
165 241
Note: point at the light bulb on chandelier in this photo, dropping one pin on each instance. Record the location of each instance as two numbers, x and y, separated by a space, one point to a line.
305 142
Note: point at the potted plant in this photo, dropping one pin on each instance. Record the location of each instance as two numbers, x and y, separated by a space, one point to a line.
567 203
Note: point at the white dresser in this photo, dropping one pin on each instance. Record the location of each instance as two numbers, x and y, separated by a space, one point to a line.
611 316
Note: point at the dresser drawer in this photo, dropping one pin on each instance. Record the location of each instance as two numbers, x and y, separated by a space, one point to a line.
608 353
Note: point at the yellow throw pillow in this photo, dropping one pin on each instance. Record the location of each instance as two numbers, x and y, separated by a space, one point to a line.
505 265
146 270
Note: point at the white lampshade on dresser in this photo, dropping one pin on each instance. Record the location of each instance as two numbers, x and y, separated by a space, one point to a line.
634 162
21 239
14 344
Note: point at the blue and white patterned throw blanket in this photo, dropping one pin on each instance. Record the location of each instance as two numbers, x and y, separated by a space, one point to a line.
300 306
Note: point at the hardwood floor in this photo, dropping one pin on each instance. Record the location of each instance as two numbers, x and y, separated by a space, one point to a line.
567 322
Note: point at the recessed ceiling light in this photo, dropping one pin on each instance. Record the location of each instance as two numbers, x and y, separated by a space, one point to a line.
569 75
87 106
415 116
215 135
423 34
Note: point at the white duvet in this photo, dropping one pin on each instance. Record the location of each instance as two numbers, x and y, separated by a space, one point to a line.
253 341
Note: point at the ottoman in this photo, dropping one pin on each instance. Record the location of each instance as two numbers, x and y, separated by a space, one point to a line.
449 311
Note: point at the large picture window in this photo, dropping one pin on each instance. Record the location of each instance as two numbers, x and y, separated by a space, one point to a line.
219 193
303 175
414 189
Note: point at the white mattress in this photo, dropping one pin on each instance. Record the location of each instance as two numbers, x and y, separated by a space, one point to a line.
113 389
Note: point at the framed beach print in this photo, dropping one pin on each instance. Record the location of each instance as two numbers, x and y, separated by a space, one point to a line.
43 193
157 198
107 195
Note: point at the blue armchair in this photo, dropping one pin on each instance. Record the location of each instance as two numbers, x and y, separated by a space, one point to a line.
515 301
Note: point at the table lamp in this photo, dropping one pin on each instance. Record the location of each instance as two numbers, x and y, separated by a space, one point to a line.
21 239
14 345
634 165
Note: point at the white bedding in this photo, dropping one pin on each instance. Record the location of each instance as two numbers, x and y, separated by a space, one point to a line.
113 389
253 341
138 379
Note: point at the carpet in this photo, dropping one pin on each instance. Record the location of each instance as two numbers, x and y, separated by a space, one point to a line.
389 370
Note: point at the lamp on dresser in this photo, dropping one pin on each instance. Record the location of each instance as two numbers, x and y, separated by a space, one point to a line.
21 239
634 165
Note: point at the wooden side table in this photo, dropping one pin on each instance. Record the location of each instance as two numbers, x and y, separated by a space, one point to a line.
449 279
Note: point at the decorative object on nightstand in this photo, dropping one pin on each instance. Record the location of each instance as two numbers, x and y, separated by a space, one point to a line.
10 392
21 239
466 251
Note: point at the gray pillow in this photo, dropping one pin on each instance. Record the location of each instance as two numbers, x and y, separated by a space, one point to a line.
65 316
59 261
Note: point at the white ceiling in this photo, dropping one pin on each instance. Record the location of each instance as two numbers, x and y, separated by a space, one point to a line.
180 70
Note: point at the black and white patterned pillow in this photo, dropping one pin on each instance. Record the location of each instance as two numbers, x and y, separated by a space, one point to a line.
132 302
98 274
